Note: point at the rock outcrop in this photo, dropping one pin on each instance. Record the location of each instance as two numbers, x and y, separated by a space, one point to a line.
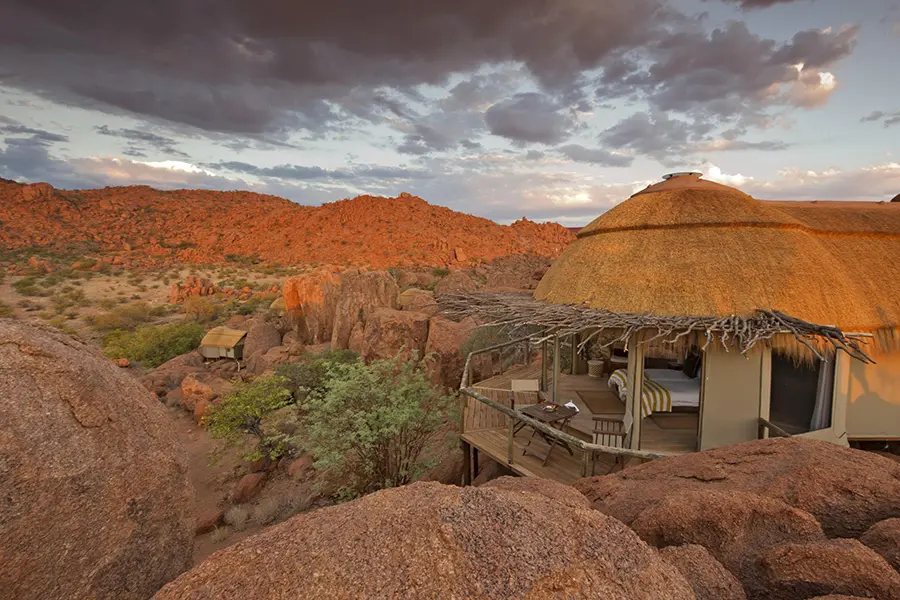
736 527
428 540
846 567
310 301
455 282
707 577
261 338
445 339
169 375
389 333
884 538
846 490
361 293
96 503
418 300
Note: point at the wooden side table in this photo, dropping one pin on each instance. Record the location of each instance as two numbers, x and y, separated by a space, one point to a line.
559 417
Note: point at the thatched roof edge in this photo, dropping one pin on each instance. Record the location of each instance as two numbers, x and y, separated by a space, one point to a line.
796 337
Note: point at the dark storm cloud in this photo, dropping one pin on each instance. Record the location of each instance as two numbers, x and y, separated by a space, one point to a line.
728 73
301 173
253 66
595 156
140 139
14 128
652 134
888 119
529 117
752 4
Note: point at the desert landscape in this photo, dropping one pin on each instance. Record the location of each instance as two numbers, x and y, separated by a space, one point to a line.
449 300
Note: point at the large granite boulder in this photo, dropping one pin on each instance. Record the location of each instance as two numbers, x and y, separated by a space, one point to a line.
707 577
96 503
310 301
169 375
795 571
445 338
736 527
361 294
884 538
389 333
429 540
846 490
261 338
455 283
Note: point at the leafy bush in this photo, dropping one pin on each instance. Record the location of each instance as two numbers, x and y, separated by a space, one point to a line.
312 375
5 311
200 309
369 427
127 316
28 286
253 305
244 409
152 345
440 272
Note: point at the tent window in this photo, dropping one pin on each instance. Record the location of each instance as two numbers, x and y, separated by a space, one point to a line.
801 395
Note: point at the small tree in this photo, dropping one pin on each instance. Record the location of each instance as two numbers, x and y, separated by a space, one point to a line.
369 427
245 409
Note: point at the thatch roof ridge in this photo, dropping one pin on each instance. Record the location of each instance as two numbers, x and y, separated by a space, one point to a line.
700 251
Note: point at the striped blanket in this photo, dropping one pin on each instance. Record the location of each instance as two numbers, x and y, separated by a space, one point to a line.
654 396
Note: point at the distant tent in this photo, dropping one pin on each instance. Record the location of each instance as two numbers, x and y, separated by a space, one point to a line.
222 342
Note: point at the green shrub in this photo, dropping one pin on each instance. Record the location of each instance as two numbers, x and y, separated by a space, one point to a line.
369 427
152 345
255 303
244 409
440 272
127 316
5 311
200 309
311 375
28 286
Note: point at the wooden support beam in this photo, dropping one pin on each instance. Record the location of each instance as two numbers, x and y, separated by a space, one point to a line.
555 395
467 463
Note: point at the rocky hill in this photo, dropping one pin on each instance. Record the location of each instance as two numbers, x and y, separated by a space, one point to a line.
200 226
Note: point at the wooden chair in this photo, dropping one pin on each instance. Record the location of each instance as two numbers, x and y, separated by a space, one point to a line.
614 432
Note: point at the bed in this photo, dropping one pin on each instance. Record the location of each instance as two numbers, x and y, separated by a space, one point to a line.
663 390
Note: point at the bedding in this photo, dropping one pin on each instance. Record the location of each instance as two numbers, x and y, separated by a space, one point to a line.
663 389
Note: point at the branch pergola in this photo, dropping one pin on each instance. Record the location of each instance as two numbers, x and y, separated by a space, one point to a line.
517 311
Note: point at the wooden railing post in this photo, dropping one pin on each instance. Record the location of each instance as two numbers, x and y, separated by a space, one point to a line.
509 446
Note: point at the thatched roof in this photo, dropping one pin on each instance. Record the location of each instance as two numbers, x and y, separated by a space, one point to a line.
691 247
223 337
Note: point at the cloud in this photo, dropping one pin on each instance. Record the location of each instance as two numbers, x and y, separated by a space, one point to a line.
726 145
731 73
871 183
141 139
302 173
14 128
757 4
267 65
595 156
530 118
888 119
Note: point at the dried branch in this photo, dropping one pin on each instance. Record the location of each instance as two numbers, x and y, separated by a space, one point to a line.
521 311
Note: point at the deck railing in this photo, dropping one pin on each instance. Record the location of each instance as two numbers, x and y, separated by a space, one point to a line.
514 417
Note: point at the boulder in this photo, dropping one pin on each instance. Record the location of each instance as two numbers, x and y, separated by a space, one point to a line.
418 300
96 502
489 471
707 577
310 300
261 362
237 322
202 387
300 467
357 338
361 294
208 521
884 538
428 540
169 375
455 283
260 339
248 487
847 490
391 332
123 363
445 338
827 567
736 527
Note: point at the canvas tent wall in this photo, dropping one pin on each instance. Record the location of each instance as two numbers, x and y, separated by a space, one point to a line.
223 342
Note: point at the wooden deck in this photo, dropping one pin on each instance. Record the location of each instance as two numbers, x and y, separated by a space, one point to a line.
562 466
674 433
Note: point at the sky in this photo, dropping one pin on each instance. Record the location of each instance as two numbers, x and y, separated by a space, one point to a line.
549 109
